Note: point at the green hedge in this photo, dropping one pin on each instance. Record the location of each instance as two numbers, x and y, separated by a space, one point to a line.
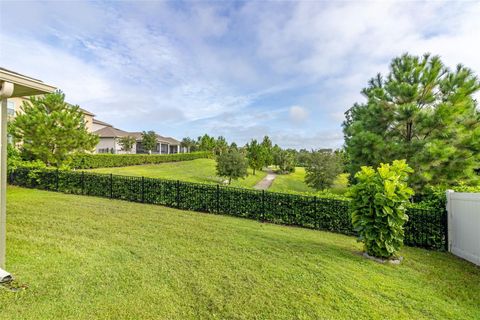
91 161
425 228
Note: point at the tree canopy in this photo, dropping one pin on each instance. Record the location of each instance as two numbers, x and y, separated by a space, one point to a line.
420 111
232 165
50 130
149 141
255 155
127 143
322 169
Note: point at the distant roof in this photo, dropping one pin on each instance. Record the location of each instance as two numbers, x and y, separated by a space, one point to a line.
138 136
86 112
101 123
111 132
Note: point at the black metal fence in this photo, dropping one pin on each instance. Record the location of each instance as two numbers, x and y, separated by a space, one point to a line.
426 226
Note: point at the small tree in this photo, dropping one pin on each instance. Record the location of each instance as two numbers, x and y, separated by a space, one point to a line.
378 207
255 155
322 169
127 143
149 141
267 149
206 143
221 146
232 165
50 130
285 160
189 144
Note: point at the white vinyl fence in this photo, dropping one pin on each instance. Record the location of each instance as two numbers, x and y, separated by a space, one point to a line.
464 225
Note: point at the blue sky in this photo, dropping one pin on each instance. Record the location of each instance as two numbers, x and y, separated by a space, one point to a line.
238 69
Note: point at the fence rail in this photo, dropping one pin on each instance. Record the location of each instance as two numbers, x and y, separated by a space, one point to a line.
426 226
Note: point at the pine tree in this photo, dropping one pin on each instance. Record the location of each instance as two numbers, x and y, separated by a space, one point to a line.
50 130
422 112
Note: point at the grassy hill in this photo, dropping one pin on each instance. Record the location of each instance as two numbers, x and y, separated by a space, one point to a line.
199 170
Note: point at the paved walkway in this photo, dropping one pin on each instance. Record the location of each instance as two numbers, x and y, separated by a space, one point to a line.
266 182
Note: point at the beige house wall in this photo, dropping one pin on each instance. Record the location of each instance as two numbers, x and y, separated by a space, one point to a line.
18 102
105 145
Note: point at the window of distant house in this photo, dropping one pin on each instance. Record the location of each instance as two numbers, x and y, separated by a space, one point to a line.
10 108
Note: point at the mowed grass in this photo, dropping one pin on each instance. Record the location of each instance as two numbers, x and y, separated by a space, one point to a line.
295 183
199 170
91 258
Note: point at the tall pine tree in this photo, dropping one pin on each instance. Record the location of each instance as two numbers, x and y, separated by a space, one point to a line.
422 112
50 130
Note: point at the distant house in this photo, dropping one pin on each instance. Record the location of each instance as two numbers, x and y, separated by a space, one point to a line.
109 135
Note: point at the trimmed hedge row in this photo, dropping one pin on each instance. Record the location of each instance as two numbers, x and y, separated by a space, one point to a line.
425 228
91 161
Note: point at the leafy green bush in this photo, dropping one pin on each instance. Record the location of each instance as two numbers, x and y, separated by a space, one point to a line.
379 207
91 161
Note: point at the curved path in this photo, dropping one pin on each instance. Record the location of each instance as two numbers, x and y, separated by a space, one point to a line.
266 182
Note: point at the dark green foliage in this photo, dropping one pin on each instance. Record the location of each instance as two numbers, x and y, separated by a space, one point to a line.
221 146
267 149
426 227
92 161
50 130
232 165
206 143
285 160
149 141
322 169
127 143
190 144
255 155
379 207
422 112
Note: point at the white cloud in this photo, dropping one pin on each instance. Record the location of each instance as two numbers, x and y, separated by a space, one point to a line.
298 114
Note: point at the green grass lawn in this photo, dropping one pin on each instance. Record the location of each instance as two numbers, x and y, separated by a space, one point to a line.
199 170
295 183
91 258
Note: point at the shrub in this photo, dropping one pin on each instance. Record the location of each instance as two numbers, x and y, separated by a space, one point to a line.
322 169
91 161
232 165
379 207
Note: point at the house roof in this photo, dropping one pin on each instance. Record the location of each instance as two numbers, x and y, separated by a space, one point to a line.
87 112
111 132
24 85
169 140
101 123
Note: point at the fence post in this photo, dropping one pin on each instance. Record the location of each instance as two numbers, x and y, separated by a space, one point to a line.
83 182
262 216
177 196
111 185
218 198
315 223
449 218
143 189
56 180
